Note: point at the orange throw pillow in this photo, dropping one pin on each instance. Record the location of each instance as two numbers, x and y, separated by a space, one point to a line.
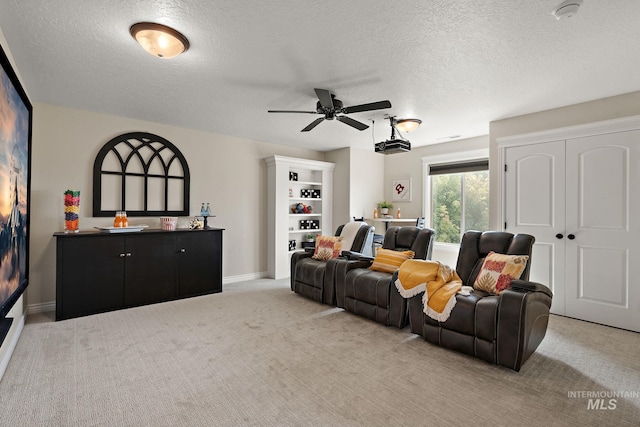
388 261
498 271
327 247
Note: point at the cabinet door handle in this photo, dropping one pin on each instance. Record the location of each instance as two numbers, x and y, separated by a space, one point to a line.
571 236
183 250
559 236
128 253
122 255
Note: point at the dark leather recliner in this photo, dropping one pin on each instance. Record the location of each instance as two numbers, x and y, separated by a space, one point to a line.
372 294
502 329
315 279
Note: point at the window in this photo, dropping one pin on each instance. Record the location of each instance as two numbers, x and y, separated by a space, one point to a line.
457 196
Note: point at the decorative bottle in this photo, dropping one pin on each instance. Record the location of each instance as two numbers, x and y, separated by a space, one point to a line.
202 210
398 215
117 221
208 210
375 213
124 221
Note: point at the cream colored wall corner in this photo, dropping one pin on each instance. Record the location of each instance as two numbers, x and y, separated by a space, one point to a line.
588 112
357 183
367 184
226 171
341 186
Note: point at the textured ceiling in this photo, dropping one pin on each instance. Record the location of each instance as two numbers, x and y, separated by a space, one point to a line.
457 65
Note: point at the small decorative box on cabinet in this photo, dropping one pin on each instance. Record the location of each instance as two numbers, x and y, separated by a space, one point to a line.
292 245
310 193
309 224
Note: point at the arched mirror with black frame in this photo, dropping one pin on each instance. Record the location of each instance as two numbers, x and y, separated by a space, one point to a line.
142 174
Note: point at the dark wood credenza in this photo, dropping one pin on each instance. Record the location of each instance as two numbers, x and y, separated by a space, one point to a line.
98 272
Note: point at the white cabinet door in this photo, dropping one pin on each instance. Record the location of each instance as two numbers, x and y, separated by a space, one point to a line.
535 204
603 258
580 198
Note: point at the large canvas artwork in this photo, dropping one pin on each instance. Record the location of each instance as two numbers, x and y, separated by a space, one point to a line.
15 147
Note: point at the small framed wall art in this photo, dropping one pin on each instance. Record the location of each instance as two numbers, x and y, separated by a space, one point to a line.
401 191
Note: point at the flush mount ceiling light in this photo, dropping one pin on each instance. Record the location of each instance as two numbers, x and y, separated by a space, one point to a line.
159 40
566 9
407 125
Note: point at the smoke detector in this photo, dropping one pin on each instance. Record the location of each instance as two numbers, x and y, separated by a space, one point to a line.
566 9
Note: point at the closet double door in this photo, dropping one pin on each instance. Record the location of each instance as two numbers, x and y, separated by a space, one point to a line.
580 198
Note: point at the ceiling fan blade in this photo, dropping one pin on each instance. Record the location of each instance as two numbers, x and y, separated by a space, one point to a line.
313 124
367 107
353 123
290 111
325 98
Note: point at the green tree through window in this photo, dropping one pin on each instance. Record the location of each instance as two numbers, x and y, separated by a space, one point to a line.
460 202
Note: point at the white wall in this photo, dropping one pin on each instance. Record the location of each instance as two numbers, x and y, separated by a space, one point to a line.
367 189
357 183
341 187
228 172
588 112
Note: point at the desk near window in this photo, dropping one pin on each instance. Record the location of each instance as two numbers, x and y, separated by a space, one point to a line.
388 220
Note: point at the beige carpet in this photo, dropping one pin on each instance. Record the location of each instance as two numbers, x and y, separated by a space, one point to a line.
258 354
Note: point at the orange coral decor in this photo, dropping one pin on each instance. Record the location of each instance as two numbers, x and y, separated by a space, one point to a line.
71 211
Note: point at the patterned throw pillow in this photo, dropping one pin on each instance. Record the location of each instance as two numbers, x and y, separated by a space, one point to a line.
327 247
389 261
498 271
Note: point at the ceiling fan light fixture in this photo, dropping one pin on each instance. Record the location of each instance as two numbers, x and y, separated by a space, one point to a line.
332 108
407 125
159 40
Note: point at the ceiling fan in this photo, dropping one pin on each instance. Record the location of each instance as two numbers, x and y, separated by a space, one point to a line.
330 106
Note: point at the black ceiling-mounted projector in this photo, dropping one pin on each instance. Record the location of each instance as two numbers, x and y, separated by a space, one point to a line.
393 146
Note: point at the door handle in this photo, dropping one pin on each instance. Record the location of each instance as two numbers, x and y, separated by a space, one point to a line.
183 250
559 236
571 236
128 253
122 255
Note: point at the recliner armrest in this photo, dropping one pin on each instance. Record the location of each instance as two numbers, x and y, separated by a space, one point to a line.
351 255
527 286
523 315
295 257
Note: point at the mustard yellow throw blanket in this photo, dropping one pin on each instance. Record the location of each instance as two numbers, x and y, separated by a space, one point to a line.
440 282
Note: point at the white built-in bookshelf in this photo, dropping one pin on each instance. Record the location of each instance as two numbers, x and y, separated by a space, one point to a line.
293 182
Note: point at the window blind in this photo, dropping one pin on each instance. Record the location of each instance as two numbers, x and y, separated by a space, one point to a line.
459 167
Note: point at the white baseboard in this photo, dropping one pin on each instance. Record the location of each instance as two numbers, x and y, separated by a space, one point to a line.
42 307
51 305
244 277
12 345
